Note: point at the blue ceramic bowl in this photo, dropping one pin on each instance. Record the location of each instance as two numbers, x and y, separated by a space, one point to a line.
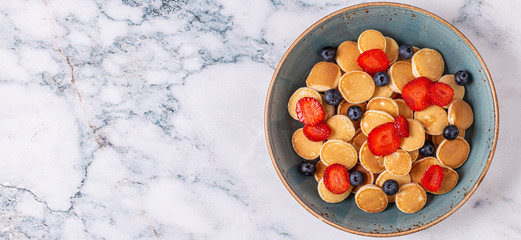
406 24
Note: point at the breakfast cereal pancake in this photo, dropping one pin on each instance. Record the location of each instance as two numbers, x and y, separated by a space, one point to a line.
338 151
403 109
400 74
323 76
356 86
428 63
319 170
368 176
434 119
358 139
371 39
450 179
416 137
411 198
304 147
382 92
346 56
344 106
374 118
297 95
460 114
341 128
398 163
459 91
329 110
415 49
414 154
385 104
386 175
372 163
371 198
439 138
419 167
330 197
453 153
391 49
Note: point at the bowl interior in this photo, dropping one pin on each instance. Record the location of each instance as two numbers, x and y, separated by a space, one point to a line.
405 25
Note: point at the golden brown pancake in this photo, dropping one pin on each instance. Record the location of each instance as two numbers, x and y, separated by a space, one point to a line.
372 163
450 179
428 63
374 118
344 106
398 163
323 76
433 118
391 49
338 151
297 95
420 166
414 154
386 175
411 198
459 91
320 167
346 55
385 104
403 109
382 92
341 128
356 86
304 147
371 198
368 176
358 139
460 114
371 39
453 153
416 137
400 74
330 197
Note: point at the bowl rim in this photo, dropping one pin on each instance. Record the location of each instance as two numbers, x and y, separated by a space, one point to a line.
494 98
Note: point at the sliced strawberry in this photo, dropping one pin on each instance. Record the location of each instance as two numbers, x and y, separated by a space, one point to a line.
416 93
383 140
401 126
318 132
432 178
336 178
441 94
373 61
309 111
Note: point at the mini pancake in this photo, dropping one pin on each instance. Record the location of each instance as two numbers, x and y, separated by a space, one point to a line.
297 95
371 39
330 197
415 50
459 91
368 176
428 63
382 92
385 104
403 109
323 76
411 198
433 118
398 163
356 86
344 106
391 49
329 110
341 128
304 147
453 153
372 163
338 151
416 137
358 139
371 198
346 55
414 154
320 168
374 118
460 114
450 179
400 73
439 138
419 167
386 175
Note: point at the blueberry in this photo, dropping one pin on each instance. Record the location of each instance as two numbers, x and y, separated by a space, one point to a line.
381 79
462 78
427 149
333 97
354 112
356 178
390 187
406 51
450 132
307 167
328 53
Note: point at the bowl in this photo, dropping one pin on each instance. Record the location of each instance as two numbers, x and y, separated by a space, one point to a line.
406 24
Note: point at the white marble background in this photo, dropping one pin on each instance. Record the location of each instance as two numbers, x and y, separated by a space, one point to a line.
143 119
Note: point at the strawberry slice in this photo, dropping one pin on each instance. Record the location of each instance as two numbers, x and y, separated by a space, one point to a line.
373 61
309 111
432 178
336 178
317 133
383 140
416 93
441 94
401 126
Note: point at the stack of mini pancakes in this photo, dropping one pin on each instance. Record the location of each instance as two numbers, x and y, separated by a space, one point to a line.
347 143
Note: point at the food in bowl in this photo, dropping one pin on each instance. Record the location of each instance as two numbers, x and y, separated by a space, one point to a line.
389 101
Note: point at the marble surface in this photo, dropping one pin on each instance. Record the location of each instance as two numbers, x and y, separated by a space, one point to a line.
143 119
